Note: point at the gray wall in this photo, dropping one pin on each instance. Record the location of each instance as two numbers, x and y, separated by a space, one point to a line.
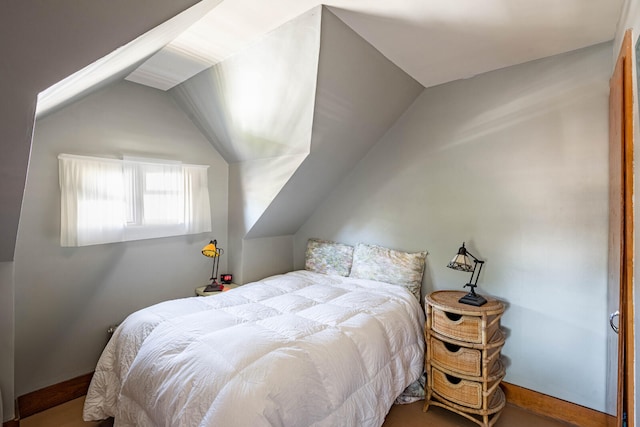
359 95
65 298
6 339
82 35
514 162
256 108
267 256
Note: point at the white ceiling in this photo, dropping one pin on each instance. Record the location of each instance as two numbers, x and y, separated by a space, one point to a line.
120 60
434 41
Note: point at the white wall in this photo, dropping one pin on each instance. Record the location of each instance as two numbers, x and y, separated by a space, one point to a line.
65 298
268 255
6 340
629 19
514 162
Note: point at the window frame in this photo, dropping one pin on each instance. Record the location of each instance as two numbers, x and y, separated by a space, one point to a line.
133 223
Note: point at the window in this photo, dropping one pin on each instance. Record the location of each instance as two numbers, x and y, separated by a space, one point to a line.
109 200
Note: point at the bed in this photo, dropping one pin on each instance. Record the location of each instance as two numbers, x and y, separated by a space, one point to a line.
307 348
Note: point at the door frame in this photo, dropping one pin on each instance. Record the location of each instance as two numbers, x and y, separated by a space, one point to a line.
622 80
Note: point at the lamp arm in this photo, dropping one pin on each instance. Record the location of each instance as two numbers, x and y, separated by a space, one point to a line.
476 261
479 270
216 263
473 256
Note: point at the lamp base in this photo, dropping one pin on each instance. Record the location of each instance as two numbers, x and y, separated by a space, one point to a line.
472 299
213 287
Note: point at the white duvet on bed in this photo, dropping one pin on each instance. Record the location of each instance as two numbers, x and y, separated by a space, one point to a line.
300 349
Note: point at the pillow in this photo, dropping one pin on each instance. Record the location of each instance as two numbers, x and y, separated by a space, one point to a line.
327 257
387 265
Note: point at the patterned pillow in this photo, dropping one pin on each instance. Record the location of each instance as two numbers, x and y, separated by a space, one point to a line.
390 266
327 257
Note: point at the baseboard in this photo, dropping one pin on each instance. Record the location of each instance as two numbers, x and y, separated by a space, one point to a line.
533 401
553 407
57 394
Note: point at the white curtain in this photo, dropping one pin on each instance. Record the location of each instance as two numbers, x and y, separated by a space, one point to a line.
92 204
106 200
197 212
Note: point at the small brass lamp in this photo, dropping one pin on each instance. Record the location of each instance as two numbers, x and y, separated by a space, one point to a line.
213 251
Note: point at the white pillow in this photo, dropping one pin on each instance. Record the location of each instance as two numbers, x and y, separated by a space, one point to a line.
388 265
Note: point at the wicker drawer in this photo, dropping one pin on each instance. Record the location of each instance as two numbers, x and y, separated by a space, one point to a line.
466 361
462 392
461 327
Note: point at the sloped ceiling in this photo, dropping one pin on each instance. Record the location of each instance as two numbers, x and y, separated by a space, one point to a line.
251 99
359 95
293 113
42 43
432 41
259 103
119 63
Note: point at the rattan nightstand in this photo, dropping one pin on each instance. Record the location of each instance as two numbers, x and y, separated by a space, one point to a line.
462 360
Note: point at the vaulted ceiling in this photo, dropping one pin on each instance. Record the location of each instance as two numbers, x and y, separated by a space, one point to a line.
44 42
433 42
293 113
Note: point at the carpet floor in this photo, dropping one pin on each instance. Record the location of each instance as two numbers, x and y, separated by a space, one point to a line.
70 415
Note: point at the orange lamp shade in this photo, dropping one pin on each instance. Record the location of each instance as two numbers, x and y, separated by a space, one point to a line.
211 250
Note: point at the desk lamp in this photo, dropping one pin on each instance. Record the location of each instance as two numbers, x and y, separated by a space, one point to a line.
461 262
212 251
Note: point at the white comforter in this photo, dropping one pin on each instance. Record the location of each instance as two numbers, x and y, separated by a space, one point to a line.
301 349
